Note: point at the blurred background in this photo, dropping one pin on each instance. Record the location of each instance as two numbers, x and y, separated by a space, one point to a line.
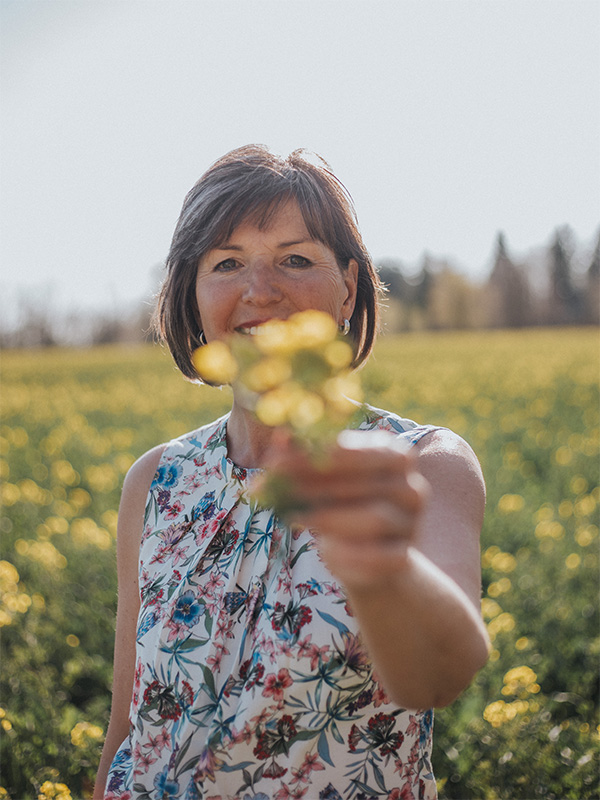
467 133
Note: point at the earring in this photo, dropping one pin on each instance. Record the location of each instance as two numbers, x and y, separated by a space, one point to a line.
201 339
344 328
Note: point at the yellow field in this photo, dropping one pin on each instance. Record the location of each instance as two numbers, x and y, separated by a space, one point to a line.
527 401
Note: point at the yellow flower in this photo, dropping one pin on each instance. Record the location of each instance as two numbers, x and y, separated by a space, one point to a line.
503 562
510 503
54 791
215 363
499 712
306 330
267 374
83 732
503 623
520 680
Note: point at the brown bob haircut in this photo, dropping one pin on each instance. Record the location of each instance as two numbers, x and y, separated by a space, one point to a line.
249 184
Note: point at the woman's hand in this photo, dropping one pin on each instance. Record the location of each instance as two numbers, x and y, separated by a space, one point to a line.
400 530
363 500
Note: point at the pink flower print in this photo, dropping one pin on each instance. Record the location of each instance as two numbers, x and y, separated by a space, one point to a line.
312 651
213 606
158 743
214 582
147 531
179 554
275 684
259 719
214 661
194 481
333 589
175 510
245 735
213 471
266 647
284 583
144 762
139 671
380 698
413 726
310 763
177 630
224 627
288 793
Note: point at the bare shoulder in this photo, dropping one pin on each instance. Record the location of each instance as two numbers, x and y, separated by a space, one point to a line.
448 462
141 473
135 493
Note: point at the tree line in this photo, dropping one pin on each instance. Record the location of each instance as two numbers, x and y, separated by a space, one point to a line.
555 285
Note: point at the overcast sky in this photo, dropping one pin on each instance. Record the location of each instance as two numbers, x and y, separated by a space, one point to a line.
448 120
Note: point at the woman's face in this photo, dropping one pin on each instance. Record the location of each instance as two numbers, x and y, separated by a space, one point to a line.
260 275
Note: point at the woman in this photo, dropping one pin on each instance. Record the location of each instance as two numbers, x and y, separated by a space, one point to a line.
298 659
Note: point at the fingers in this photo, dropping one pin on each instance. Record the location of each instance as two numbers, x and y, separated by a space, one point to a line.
352 476
377 521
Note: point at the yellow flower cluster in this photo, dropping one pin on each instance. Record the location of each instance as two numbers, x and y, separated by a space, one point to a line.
54 791
499 712
292 372
83 732
12 599
520 682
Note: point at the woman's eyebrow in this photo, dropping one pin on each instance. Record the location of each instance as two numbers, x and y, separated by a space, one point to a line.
281 245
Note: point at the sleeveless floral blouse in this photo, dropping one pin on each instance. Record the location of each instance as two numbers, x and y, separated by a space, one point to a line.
251 681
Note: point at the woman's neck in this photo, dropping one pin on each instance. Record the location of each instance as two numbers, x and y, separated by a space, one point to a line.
248 440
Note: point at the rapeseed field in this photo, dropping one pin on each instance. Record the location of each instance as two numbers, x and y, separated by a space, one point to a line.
527 401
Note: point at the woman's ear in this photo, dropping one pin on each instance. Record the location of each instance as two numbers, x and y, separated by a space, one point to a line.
350 276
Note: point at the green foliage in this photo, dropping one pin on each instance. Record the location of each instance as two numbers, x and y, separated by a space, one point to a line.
74 421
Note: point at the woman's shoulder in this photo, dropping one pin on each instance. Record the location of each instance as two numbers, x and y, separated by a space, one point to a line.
139 479
380 419
143 471
436 446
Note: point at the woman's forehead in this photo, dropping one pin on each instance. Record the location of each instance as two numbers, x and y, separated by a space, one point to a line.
280 215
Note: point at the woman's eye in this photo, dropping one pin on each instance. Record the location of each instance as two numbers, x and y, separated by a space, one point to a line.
227 265
298 261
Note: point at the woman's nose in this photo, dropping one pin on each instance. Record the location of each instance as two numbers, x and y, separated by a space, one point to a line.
261 286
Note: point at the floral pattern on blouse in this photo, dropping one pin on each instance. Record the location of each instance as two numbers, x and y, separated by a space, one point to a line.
251 680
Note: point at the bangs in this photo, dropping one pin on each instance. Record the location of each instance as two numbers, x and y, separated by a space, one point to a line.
258 203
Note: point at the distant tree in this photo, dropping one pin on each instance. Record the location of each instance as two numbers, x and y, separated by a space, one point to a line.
565 302
392 274
592 287
454 301
508 288
424 282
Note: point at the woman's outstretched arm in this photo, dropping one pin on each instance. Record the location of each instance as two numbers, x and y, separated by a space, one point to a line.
129 534
401 533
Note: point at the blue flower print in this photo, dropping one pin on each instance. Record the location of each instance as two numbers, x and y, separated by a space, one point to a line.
166 475
187 609
330 793
206 507
165 788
